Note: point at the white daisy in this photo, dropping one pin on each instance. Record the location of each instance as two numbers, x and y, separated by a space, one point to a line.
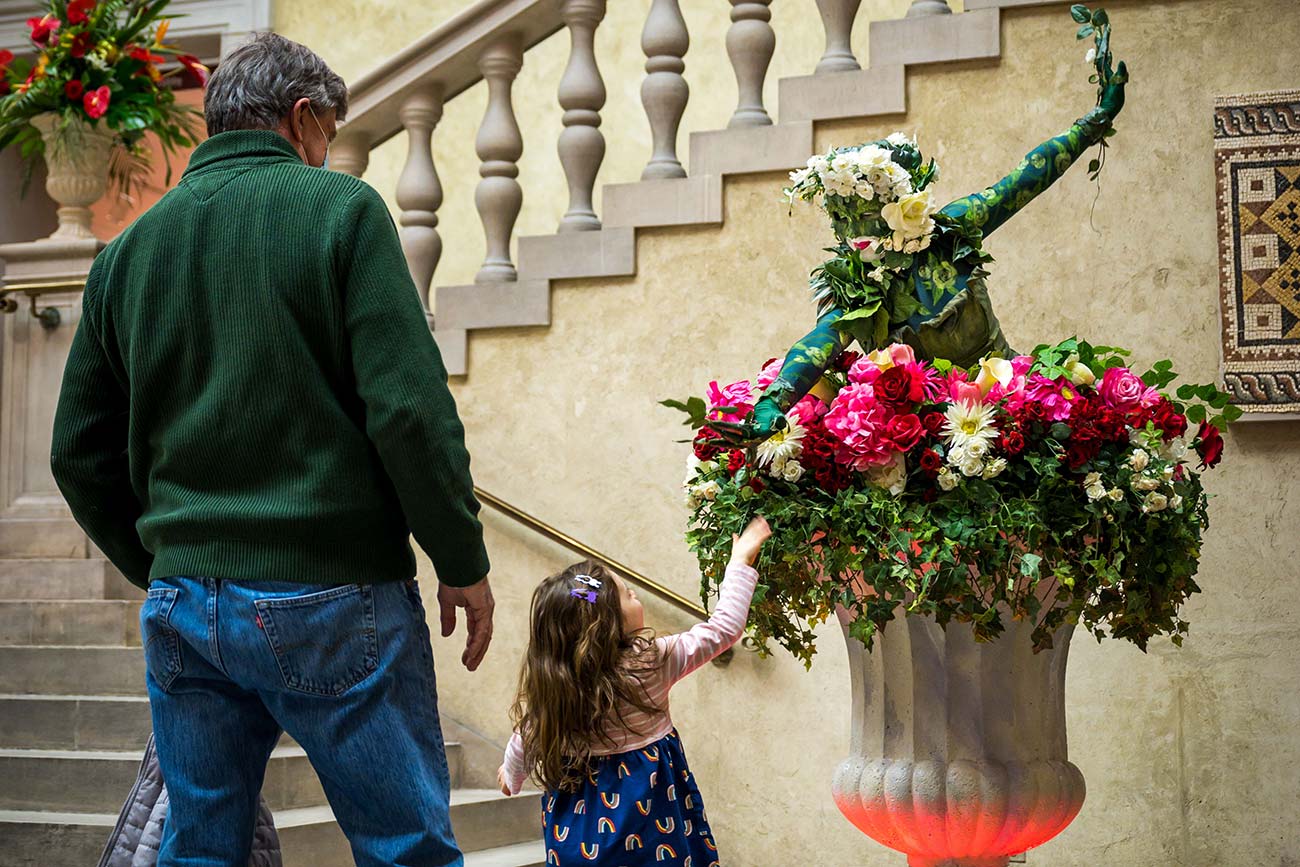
969 423
783 445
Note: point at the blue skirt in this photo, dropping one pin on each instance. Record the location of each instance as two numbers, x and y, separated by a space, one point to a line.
636 808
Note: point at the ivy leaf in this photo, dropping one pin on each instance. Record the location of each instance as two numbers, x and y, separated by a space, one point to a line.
1029 564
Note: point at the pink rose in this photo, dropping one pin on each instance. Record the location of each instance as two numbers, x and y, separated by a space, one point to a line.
1122 389
808 410
1055 396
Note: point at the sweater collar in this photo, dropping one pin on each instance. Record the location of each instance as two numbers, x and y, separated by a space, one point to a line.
242 147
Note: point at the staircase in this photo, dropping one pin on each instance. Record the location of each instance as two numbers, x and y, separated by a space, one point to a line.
488 42
74 720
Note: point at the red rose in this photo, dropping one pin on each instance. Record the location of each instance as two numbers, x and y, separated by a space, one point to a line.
931 462
898 389
933 423
1079 453
78 11
43 29
704 449
1168 420
847 359
1209 445
6 58
81 44
905 430
758 484
96 101
735 461
929 495
1013 442
73 89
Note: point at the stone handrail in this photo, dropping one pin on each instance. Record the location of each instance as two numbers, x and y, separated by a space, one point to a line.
488 40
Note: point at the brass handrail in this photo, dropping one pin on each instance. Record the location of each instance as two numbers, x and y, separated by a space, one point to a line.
541 527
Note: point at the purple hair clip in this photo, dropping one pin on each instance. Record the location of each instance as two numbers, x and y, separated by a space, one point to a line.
590 593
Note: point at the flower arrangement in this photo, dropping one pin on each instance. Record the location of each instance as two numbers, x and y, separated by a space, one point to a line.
1056 486
99 62
880 201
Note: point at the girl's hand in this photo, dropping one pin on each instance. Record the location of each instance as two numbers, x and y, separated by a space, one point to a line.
745 547
501 780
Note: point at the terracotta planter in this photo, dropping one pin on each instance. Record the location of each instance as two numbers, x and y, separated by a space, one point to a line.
959 747
76 159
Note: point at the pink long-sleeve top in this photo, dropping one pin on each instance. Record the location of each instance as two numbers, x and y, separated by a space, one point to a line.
679 655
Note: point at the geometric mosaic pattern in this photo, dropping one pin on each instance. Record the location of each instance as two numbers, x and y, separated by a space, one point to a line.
1257 166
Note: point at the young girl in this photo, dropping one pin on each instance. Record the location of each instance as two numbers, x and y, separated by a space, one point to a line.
592 721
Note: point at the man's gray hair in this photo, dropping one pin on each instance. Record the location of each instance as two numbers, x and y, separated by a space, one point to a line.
256 86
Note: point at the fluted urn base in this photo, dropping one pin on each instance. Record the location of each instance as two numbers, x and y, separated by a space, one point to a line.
77 155
959 746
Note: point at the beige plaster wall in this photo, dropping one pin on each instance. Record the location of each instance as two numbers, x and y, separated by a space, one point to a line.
1191 755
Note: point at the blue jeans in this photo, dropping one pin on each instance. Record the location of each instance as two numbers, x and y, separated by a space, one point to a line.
346 670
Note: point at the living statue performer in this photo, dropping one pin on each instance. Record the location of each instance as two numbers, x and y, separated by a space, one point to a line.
904 270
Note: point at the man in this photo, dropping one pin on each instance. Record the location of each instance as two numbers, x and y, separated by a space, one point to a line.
254 418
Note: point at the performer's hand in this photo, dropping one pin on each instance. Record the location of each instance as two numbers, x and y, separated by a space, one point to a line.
767 419
1112 97
745 547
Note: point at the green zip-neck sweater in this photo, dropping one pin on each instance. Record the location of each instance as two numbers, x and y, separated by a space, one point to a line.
253 392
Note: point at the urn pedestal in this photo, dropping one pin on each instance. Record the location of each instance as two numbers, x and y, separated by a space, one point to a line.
959 747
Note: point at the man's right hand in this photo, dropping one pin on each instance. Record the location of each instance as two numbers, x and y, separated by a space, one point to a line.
477 601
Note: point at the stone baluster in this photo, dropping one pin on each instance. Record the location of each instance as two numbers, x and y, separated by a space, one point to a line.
350 153
664 91
499 145
750 45
929 7
582 95
837 19
419 192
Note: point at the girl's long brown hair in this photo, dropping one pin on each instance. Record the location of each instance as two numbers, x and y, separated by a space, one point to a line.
580 674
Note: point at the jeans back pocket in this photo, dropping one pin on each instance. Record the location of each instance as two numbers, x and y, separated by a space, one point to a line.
324 643
162 645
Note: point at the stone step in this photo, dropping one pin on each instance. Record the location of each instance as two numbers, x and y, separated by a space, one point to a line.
107 622
488 826
74 722
98 782
68 578
42 537
31 670
309 836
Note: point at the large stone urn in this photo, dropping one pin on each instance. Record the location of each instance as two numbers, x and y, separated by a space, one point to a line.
76 159
959 747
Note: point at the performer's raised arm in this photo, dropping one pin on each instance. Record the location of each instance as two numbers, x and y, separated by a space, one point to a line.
804 365
990 208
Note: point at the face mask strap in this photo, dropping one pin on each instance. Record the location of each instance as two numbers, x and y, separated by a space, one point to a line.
324 163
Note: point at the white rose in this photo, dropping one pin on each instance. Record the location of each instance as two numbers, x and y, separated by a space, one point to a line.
1091 56
877 274
1091 480
1095 492
776 469
977 449
892 476
870 157
957 455
1138 460
792 471
898 139
1175 502
1154 502
995 468
1144 483
1116 494
910 216
692 501
1174 451
708 466
972 467
912 246
1079 373
1167 474
947 480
